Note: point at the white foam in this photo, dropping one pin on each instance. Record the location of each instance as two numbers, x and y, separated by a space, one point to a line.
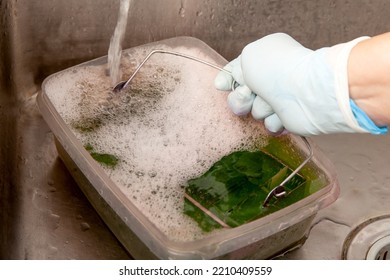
175 132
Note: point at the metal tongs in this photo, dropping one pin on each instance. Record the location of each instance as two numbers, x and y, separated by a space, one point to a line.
123 84
277 192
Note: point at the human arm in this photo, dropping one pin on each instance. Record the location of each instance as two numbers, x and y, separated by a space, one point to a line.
305 91
369 77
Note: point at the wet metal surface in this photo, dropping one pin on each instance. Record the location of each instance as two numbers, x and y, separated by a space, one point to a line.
362 164
369 240
50 218
44 215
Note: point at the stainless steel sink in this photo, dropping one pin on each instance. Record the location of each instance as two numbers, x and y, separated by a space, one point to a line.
44 215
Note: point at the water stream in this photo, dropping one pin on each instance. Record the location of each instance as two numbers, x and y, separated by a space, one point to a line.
115 49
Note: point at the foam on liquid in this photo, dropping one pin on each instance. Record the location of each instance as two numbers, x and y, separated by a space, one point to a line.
172 128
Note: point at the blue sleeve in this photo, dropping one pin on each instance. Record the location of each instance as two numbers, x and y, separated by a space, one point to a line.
364 121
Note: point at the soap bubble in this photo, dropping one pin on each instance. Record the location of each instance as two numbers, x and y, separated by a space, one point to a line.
168 126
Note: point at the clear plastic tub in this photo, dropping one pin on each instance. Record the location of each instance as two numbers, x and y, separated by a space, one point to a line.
141 206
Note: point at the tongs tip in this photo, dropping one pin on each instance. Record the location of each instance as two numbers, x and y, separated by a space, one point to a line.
119 86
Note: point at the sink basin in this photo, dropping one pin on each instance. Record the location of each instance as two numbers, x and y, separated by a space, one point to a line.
44 215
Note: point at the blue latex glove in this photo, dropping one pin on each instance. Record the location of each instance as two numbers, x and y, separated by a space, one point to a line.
292 87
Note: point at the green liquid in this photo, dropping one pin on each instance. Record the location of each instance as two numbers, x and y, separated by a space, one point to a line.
235 187
105 159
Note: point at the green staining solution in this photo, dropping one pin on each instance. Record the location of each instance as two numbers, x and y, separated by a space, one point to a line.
235 187
104 159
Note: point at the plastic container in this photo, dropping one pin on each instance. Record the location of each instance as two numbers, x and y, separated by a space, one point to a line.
137 229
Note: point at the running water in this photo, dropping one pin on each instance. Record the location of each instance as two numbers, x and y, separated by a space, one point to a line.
115 49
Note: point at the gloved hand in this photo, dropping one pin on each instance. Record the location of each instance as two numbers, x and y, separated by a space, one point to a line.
292 87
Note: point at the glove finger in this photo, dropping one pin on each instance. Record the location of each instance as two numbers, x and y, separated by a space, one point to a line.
240 100
237 71
273 123
261 109
224 80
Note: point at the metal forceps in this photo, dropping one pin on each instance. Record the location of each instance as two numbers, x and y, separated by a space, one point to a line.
124 84
279 191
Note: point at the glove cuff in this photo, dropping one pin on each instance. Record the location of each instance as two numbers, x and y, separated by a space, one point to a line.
339 55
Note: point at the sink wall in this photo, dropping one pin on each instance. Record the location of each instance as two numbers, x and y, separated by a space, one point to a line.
46 36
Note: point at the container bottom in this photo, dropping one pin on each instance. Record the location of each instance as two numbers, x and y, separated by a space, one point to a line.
129 240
